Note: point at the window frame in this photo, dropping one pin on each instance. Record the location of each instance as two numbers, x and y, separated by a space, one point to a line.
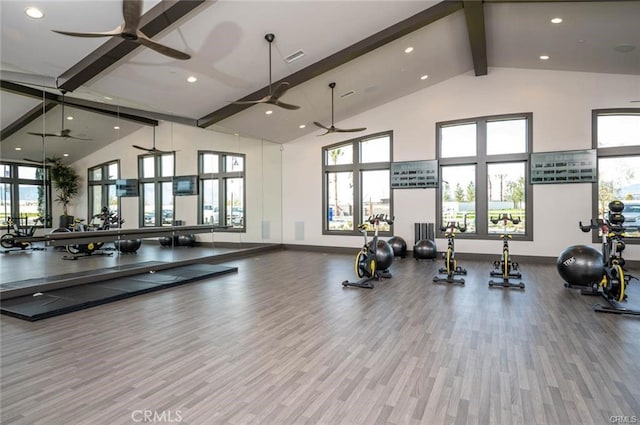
481 160
356 167
222 175
609 152
104 182
157 181
14 181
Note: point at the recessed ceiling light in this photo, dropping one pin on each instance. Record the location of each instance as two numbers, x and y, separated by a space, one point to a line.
192 79
108 98
544 57
556 20
65 154
408 49
70 118
116 127
269 112
424 77
302 125
624 48
34 12
18 149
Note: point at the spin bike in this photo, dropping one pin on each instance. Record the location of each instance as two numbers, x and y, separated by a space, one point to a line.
92 248
505 267
366 265
615 280
15 238
451 267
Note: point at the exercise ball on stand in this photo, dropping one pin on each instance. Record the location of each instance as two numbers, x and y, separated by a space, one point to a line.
425 249
384 254
580 265
399 246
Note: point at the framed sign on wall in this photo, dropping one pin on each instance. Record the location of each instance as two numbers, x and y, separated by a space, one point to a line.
579 166
414 174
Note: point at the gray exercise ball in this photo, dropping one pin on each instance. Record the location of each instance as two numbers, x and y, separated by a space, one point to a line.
580 265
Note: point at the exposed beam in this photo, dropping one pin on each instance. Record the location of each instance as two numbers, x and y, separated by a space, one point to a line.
160 17
474 15
360 48
35 113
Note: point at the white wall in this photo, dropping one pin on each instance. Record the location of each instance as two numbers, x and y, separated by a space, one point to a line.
561 103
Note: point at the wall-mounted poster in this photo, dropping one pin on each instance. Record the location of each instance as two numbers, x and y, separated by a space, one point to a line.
564 167
414 174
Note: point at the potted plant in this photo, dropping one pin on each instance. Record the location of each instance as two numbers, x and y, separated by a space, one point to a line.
66 182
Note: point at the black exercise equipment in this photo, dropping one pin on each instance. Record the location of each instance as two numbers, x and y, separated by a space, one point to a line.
371 264
398 245
580 266
424 247
613 280
505 268
16 239
451 267
101 221
128 246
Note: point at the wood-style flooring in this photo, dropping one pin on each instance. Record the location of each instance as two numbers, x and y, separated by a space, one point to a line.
282 342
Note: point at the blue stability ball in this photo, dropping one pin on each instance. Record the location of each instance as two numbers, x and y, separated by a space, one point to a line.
580 265
384 254
399 246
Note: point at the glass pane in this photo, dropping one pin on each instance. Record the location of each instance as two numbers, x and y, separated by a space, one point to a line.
5 170
95 173
375 150
459 195
112 171
506 192
509 136
167 165
619 179
235 163
28 204
376 196
458 140
149 203
112 201
167 202
96 199
235 202
148 167
618 130
210 163
340 201
340 155
210 204
27 172
5 202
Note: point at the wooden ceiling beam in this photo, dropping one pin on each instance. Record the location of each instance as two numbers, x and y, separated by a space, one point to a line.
474 16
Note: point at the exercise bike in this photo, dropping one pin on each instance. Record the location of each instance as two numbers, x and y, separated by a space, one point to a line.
366 264
92 248
451 267
615 280
14 239
505 267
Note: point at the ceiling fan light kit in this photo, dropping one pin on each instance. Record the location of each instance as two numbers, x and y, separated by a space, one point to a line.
333 128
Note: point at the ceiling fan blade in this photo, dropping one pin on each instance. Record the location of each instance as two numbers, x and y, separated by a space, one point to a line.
284 105
141 148
77 138
249 102
131 11
349 130
321 126
113 32
152 150
280 90
160 48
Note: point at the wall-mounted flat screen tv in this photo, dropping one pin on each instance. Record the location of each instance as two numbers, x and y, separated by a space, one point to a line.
185 185
127 187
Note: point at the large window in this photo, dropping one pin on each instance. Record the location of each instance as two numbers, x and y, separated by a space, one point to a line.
616 136
102 187
356 183
222 189
484 166
24 195
156 189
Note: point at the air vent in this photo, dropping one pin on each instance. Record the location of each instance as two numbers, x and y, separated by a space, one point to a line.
294 56
347 94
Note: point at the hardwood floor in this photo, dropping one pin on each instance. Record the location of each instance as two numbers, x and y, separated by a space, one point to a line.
282 342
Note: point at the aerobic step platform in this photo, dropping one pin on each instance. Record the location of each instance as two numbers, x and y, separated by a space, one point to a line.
73 298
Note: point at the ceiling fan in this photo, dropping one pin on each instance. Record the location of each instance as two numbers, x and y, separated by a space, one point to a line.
132 11
333 128
64 132
273 98
153 150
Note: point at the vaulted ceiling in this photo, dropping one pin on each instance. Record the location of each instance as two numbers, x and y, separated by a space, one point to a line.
359 45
